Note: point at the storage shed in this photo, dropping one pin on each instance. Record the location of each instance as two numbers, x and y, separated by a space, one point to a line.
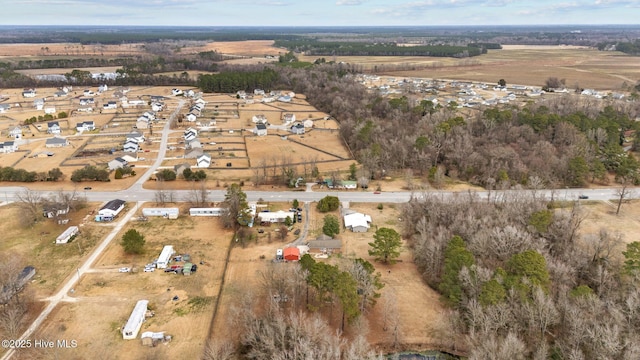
131 329
67 235
165 257
291 253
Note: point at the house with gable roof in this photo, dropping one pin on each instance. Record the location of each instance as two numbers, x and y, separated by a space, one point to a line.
53 127
56 142
117 163
203 161
131 146
297 129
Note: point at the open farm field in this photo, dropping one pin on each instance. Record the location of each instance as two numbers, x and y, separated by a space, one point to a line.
253 48
45 50
585 67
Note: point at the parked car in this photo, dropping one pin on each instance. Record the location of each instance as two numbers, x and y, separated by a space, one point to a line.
583 197
149 269
169 270
124 270
297 232
194 267
87 187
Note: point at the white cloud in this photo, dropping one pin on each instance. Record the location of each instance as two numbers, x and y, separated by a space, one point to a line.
349 2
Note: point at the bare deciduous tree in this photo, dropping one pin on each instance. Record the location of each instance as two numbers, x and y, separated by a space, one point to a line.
198 194
30 203
219 350
623 193
162 195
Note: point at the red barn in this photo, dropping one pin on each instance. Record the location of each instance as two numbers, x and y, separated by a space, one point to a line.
291 253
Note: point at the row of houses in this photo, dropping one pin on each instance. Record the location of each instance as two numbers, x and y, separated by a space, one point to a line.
194 150
132 141
265 98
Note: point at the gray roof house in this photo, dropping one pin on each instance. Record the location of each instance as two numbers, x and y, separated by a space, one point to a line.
180 168
324 243
56 142
117 163
131 146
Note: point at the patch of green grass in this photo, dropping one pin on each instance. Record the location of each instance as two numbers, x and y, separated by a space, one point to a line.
198 303
180 311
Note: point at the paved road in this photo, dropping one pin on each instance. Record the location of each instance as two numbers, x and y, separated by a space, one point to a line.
136 193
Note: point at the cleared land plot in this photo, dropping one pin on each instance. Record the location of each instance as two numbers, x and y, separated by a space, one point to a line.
36 245
270 148
106 297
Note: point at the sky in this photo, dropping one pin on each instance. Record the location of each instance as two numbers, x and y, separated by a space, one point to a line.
318 12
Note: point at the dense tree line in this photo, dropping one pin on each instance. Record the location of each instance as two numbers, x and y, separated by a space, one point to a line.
119 36
522 281
7 173
323 48
65 63
233 81
90 173
627 47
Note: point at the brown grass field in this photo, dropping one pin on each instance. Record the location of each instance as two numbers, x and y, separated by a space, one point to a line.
585 67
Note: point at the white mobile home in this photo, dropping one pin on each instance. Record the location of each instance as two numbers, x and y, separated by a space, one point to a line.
275 217
169 213
131 329
206 211
165 256
67 235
